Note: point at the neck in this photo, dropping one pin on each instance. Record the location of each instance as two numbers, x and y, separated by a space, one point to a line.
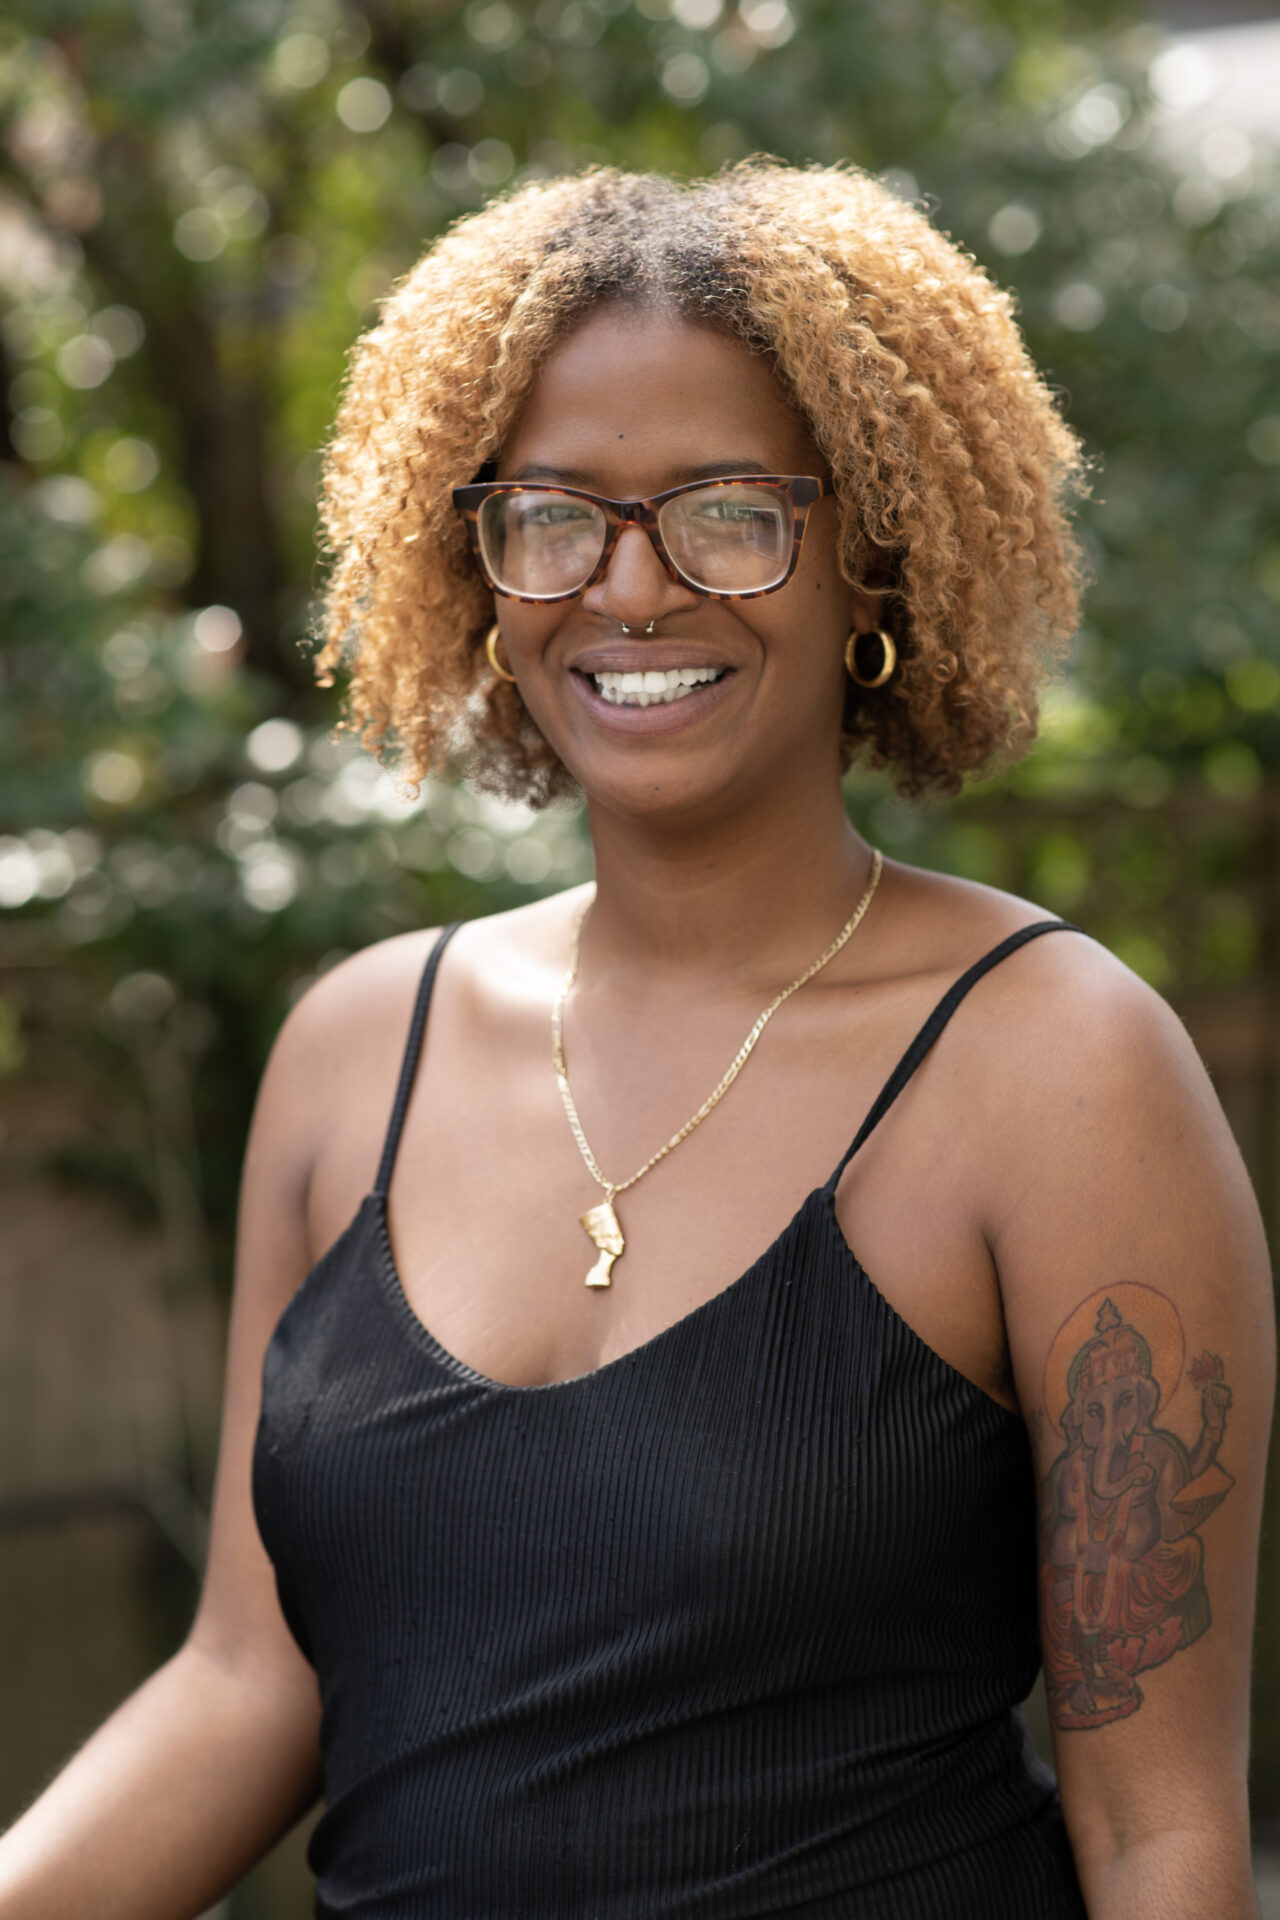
742 901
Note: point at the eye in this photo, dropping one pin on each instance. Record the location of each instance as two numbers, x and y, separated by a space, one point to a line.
725 509
554 513
728 512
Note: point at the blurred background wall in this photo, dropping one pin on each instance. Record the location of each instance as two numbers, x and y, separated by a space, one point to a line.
201 202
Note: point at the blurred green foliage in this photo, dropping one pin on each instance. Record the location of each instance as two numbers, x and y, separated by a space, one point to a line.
201 202
200 205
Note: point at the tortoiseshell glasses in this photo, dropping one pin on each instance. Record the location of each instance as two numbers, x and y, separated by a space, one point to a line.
730 539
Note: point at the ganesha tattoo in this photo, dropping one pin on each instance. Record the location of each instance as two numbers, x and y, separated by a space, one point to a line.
1122 1583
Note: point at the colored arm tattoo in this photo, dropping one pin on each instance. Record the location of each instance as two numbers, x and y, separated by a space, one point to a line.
1121 1576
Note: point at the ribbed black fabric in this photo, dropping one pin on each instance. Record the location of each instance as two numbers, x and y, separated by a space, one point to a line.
735 1625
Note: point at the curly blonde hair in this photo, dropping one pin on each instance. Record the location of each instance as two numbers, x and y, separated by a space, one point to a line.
951 464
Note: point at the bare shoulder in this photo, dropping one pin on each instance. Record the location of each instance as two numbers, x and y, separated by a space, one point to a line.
327 1092
350 1022
1062 1026
1093 1138
1057 1005
1073 1076
359 1010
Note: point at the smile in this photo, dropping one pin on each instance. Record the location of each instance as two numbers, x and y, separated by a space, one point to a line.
653 688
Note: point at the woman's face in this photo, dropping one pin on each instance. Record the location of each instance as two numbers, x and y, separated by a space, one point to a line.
633 403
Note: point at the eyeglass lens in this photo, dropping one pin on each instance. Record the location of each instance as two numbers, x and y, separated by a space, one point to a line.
733 538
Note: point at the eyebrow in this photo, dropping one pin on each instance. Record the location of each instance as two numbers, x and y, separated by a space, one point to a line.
575 477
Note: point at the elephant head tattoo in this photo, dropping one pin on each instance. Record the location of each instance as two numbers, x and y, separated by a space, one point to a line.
1122 1583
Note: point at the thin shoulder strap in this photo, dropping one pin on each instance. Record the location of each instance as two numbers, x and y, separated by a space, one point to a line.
408 1066
933 1026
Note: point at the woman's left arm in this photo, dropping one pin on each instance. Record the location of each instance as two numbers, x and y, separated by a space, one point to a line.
1138 1301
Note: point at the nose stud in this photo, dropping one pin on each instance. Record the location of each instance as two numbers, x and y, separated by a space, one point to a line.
627 630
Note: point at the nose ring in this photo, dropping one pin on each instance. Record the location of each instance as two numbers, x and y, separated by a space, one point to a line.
627 630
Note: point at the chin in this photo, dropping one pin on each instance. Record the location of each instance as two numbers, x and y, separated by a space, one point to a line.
650 795
657 787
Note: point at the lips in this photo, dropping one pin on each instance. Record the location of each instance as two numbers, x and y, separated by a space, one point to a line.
653 687
652 700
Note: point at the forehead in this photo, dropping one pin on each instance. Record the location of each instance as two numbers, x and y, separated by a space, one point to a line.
645 395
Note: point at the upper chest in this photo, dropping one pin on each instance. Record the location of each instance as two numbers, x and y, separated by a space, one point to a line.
490 1185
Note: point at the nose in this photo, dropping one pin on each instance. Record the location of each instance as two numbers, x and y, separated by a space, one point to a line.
636 587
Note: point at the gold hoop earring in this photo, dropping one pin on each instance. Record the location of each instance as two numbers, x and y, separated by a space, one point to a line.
888 659
491 649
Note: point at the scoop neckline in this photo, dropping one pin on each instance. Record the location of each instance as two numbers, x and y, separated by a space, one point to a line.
422 1336
393 1285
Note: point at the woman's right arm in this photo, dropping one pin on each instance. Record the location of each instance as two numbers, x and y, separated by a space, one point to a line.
202 1770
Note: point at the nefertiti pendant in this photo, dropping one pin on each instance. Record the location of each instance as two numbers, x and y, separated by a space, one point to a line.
602 1226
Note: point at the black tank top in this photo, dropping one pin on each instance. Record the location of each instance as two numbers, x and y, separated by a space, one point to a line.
734 1625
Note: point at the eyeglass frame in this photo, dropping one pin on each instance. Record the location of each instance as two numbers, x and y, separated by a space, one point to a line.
803 491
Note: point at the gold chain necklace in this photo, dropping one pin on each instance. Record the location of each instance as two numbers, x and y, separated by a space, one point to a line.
601 1222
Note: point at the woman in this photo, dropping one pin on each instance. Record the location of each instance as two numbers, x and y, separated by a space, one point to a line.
707 1587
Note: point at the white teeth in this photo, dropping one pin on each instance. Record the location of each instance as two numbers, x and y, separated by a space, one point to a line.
652 688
